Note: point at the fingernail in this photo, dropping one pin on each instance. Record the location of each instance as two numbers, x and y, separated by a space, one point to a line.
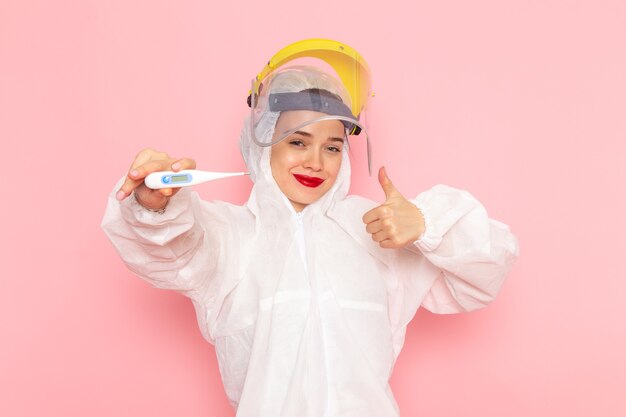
134 173
120 195
176 165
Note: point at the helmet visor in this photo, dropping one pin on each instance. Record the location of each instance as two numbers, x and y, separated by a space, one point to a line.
315 93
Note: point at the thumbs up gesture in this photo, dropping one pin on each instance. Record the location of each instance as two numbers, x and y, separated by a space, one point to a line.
397 221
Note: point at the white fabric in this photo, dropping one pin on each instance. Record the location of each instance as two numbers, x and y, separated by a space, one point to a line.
323 343
287 343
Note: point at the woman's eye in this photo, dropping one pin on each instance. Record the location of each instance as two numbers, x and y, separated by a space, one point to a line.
296 142
334 149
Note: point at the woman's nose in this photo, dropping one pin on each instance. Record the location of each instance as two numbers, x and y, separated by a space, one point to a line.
313 160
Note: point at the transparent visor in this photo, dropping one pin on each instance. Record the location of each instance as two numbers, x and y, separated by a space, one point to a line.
303 96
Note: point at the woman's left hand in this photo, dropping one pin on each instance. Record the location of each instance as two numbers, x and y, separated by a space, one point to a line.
395 223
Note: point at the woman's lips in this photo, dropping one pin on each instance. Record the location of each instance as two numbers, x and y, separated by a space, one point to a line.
308 181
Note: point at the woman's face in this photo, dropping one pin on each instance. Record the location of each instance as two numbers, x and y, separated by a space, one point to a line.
305 165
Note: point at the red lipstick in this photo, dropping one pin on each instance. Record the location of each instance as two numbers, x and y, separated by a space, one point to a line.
308 181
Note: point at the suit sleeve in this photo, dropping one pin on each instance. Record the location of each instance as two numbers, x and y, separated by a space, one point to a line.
178 249
473 252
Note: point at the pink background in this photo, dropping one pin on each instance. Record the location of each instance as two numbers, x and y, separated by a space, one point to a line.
522 103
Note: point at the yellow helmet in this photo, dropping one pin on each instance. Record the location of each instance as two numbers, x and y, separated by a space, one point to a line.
349 65
336 86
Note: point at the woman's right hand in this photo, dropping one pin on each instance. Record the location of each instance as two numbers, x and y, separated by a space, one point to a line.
146 162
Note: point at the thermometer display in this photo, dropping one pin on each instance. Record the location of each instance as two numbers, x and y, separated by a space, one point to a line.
180 178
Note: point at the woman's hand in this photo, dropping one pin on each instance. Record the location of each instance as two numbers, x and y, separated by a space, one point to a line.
397 221
146 162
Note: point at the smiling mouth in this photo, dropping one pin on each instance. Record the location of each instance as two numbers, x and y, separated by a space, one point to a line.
308 181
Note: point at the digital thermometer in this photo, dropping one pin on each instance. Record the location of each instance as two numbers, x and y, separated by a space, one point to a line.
171 179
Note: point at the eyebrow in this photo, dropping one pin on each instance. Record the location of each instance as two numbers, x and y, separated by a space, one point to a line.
308 135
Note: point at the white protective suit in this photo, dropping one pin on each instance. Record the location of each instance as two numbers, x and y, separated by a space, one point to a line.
307 313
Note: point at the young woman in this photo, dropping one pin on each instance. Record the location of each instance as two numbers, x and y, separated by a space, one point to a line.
304 291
